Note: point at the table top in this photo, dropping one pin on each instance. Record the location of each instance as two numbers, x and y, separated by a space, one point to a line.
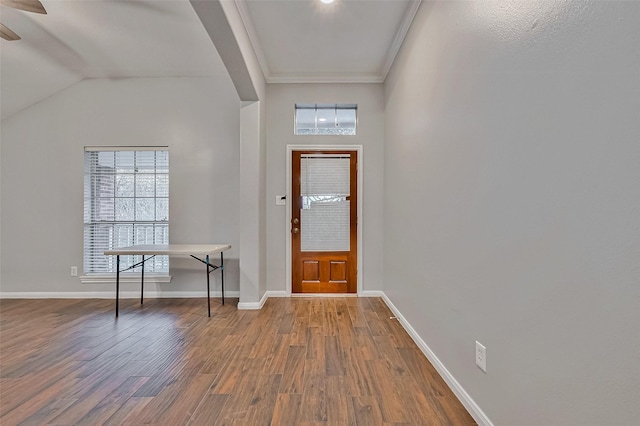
170 249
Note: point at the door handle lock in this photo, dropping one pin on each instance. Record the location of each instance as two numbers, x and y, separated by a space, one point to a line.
295 221
295 230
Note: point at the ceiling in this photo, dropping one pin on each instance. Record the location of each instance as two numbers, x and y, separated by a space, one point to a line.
310 41
294 40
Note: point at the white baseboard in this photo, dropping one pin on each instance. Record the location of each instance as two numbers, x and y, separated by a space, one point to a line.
371 293
151 294
248 306
260 304
466 400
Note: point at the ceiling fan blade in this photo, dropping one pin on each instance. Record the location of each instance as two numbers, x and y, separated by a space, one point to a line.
27 5
7 34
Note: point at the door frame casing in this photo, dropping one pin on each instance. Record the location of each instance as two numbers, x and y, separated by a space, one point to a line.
358 149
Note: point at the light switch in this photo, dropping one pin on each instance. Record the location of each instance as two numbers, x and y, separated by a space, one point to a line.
281 200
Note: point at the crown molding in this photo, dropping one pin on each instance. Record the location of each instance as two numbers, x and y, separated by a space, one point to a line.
245 16
325 78
412 9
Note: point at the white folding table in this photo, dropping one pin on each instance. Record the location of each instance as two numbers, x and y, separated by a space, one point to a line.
193 250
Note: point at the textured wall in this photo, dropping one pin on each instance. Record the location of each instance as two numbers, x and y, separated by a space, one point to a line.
281 100
512 203
42 174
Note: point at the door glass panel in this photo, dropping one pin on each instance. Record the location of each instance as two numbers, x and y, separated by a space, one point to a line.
325 191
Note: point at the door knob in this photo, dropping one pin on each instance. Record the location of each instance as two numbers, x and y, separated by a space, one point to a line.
296 221
295 230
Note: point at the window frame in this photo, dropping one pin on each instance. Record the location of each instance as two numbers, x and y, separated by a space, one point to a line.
156 270
325 107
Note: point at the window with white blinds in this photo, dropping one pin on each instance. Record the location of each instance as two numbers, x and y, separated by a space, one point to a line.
126 202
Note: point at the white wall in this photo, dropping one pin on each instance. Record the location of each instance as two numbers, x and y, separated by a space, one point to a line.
42 169
250 204
253 281
512 203
281 100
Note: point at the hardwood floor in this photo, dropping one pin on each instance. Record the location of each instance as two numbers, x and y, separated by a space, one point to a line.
298 361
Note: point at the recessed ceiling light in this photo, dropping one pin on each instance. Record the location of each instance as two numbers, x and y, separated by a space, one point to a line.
326 1
323 119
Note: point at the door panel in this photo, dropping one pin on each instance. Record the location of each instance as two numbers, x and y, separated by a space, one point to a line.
324 222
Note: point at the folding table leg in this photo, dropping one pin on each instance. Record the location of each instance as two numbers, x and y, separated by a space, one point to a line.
117 282
222 274
142 282
208 298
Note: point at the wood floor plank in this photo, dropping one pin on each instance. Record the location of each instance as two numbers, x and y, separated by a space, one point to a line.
316 315
344 325
330 323
376 324
176 403
277 358
38 386
315 343
421 409
48 412
363 341
334 356
208 410
113 402
262 347
451 406
357 316
390 355
243 391
129 410
302 307
300 330
358 380
329 304
36 402
390 402
264 399
424 374
292 379
366 410
228 377
314 395
91 398
339 404
287 409
298 361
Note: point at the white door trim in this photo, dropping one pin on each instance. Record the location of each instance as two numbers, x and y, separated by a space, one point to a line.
358 149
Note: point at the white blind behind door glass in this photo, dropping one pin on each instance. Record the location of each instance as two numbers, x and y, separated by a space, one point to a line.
126 202
325 214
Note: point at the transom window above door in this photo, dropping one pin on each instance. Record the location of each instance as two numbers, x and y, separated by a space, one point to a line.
326 119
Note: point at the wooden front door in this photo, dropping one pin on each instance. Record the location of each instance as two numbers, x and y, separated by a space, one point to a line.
324 241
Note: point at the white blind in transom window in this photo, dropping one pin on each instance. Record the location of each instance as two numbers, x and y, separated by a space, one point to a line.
126 202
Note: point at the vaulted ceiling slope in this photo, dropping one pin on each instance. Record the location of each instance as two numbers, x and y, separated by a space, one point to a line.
80 39
294 41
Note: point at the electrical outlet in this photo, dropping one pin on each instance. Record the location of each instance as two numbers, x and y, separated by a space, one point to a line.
74 271
481 356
